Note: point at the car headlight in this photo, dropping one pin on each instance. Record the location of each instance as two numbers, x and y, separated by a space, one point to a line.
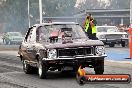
52 53
102 37
100 50
124 36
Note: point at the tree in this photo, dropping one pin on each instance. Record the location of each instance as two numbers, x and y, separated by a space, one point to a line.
90 4
14 13
119 4
58 7
101 4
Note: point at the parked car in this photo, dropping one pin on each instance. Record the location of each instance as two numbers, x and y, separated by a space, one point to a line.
110 35
12 38
60 46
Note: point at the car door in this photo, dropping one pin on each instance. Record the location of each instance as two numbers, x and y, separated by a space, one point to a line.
28 44
24 45
31 42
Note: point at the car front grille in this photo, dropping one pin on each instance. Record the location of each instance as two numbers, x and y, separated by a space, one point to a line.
75 51
113 36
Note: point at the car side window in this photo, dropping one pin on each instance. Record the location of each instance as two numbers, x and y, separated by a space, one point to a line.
42 34
30 37
27 34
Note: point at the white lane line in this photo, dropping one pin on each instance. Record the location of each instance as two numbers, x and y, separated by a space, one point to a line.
125 62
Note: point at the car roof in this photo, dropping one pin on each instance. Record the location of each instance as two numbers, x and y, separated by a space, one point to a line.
36 25
106 26
13 32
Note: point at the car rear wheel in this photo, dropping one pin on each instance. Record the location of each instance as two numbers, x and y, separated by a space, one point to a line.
42 70
6 42
99 67
27 68
123 44
112 45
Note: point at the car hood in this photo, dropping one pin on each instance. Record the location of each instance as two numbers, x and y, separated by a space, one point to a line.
76 43
102 33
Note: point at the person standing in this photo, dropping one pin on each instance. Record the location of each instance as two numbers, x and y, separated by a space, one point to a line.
90 27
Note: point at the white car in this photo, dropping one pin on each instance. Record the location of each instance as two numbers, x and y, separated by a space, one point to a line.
110 35
13 38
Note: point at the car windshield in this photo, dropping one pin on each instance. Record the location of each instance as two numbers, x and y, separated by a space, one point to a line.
73 30
107 29
15 34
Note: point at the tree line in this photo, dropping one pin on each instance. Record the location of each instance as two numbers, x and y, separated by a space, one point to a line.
14 13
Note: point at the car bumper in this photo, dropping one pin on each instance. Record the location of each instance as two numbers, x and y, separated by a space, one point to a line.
77 58
116 41
76 61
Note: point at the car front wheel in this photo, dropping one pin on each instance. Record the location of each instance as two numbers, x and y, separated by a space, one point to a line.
99 67
26 67
9 43
42 70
